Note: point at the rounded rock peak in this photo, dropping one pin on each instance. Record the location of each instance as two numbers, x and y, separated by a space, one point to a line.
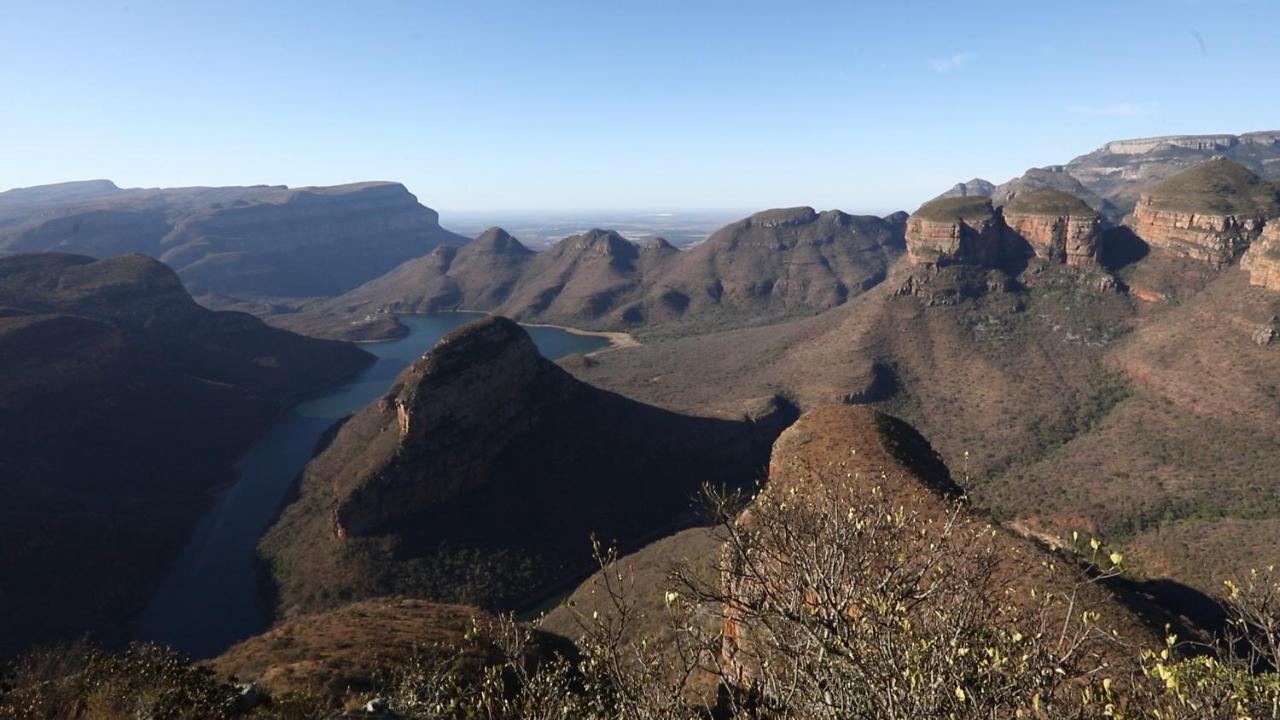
950 209
1219 186
1048 201
658 244
870 445
604 242
499 240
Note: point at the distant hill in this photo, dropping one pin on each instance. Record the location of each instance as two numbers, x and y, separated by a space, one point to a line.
774 264
482 474
124 405
260 240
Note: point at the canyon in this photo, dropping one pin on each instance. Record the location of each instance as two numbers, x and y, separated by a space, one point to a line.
1054 356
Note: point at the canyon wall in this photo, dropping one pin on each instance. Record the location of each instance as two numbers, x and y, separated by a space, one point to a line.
1262 260
955 230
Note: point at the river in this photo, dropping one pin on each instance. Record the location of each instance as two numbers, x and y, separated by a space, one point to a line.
210 599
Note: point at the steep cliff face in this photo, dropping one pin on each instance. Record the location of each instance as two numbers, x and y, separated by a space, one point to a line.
955 230
1208 237
1058 227
252 240
1211 213
482 474
1262 260
124 404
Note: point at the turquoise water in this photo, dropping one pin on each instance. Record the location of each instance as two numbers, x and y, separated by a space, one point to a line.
210 598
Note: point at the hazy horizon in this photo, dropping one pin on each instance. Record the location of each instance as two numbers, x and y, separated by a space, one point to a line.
511 107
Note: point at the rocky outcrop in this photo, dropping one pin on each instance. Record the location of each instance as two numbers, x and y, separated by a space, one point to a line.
124 406
1210 213
1209 237
1057 226
236 241
483 453
1266 333
956 230
1262 260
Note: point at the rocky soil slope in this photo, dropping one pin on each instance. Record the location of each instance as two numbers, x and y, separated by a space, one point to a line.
338 657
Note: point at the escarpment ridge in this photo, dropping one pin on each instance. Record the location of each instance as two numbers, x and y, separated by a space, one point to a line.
255 241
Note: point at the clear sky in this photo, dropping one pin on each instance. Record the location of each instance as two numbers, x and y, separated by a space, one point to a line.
609 104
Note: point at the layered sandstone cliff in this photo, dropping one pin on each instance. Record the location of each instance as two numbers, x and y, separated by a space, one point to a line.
1211 213
955 230
1262 261
1058 227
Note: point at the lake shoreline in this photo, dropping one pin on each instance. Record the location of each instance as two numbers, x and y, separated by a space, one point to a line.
617 340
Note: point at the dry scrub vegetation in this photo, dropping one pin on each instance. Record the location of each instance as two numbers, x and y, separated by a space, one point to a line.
836 607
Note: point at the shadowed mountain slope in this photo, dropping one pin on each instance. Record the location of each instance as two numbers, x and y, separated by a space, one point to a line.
482 474
124 405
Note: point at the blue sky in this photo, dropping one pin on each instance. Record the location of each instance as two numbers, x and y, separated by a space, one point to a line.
488 105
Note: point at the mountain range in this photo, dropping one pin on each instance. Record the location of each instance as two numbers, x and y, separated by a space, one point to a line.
1087 350
773 265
